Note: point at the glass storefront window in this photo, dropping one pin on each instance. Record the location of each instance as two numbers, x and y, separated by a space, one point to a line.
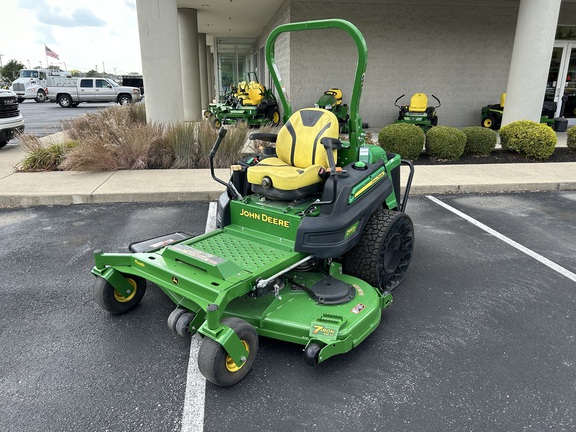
236 58
566 33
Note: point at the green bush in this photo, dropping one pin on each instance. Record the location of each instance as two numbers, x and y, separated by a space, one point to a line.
445 142
479 140
530 139
405 139
571 139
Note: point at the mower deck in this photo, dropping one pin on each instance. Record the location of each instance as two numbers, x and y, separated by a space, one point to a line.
223 268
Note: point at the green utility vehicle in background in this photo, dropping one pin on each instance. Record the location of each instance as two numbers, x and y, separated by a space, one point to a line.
418 112
492 114
331 100
309 245
249 102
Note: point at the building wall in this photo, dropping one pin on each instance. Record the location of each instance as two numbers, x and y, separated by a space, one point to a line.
459 51
567 14
282 46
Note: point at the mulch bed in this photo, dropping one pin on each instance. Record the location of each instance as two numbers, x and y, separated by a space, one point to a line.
561 154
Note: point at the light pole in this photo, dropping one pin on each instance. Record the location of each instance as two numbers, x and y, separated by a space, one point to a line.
28 63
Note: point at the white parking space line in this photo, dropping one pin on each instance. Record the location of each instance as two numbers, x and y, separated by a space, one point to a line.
529 252
193 412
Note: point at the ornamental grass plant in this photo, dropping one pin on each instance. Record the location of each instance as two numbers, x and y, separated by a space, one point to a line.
118 138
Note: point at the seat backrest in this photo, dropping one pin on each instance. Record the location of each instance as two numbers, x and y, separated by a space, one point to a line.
242 89
418 102
255 92
298 141
337 95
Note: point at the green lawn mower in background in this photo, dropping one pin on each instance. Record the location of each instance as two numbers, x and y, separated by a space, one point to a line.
309 246
418 112
248 102
492 114
331 100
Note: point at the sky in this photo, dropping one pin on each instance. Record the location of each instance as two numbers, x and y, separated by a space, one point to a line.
86 34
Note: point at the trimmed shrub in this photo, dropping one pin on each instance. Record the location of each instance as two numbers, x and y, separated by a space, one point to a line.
445 142
405 139
530 139
479 140
571 138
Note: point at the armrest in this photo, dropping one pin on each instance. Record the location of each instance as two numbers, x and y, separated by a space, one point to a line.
264 137
331 143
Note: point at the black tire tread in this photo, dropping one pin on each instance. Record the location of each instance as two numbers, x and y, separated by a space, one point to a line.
364 260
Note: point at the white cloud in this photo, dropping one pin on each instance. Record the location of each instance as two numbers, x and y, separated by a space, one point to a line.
85 34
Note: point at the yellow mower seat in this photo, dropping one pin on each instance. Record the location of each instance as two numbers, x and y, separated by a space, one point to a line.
301 158
418 103
255 94
337 95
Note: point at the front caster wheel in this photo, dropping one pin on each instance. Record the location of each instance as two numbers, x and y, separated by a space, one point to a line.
182 326
215 363
173 318
311 354
115 303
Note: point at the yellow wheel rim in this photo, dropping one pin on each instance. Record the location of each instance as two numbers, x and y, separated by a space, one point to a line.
276 117
230 365
487 122
120 298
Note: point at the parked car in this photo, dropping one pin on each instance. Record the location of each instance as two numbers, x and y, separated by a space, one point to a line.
11 121
92 90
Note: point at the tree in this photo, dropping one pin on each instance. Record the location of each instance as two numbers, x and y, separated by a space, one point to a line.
11 69
92 73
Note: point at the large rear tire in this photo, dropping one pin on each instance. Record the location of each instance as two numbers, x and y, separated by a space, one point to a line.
384 252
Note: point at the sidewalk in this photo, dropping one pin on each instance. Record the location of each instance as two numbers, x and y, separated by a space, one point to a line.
70 187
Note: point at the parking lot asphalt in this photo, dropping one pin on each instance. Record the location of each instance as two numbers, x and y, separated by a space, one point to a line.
480 335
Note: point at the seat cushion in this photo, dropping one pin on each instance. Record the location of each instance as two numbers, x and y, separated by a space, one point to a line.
283 175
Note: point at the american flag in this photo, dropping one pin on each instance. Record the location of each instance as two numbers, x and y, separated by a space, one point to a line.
51 53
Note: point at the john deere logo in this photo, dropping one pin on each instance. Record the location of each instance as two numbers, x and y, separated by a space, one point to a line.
174 280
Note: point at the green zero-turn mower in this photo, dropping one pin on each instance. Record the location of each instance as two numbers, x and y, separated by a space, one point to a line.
492 114
309 245
331 100
248 102
418 112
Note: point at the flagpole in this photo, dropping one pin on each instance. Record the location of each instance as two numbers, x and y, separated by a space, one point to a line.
46 54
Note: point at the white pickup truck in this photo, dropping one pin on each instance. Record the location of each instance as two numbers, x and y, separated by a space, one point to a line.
11 121
76 90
